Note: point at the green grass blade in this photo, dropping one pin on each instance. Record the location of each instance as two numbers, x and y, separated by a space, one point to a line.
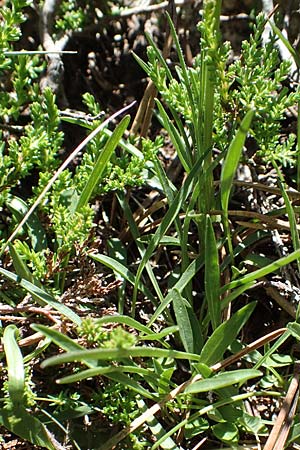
286 42
41 296
216 345
34 228
222 380
157 430
126 320
183 281
183 65
15 417
176 138
291 216
232 158
189 327
96 371
15 366
115 373
101 162
124 272
254 276
168 219
212 275
19 265
119 353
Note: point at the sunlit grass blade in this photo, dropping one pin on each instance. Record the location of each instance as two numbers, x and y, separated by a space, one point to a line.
222 380
183 281
41 296
114 354
19 265
118 252
124 272
286 42
229 168
101 162
254 276
216 345
176 138
15 366
136 234
157 429
232 158
15 417
189 326
117 373
212 275
168 220
33 226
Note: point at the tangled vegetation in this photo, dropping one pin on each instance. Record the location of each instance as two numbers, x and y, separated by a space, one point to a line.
149 277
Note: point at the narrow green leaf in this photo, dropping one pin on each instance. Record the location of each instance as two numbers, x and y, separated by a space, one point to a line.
222 380
232 158
185 278
21 423
215 347
15 366
14 417
254 276
178 142
19 265
212 275
291 215
123 271
41 296
286 42
189 327
34 228
101 162
294 329
110 354
168 220
61 340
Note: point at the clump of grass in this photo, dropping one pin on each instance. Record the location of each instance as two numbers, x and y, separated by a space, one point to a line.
178 263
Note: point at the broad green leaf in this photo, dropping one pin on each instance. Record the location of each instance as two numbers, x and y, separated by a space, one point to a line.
14 417
189 327
15 366
294 329
232 158
101 162
110 354
25 425
41 296
212 275
215 347
34 228
222 380
226 432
